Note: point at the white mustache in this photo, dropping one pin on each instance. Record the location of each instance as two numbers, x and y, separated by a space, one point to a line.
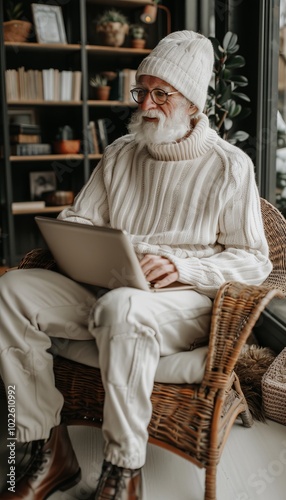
151 113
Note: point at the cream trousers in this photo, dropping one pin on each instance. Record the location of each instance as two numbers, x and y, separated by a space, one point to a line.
132 329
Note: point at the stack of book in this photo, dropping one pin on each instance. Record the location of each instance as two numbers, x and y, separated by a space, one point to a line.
25 140
97 136
47 84
92 141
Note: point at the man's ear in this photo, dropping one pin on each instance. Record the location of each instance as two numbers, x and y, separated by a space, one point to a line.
192 109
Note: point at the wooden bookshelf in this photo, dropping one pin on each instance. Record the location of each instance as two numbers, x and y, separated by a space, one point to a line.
79 54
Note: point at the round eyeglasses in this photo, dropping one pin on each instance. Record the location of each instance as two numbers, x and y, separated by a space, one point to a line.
158 96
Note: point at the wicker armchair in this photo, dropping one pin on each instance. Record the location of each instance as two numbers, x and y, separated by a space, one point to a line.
190 420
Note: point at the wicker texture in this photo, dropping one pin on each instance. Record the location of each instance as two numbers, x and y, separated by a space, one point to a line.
275 230
190 420
274 389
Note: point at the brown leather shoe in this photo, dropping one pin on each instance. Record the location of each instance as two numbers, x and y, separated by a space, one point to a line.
117 483
52 466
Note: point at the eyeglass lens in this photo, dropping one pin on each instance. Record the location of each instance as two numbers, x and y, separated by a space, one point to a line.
158 96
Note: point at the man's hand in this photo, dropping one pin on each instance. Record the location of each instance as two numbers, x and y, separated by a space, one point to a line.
159 270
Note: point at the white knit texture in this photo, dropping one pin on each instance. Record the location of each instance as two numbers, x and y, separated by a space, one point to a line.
195 202
184 59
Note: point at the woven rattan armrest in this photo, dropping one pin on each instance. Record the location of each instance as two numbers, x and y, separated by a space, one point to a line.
236 309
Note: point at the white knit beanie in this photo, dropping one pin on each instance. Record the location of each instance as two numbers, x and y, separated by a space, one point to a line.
185 60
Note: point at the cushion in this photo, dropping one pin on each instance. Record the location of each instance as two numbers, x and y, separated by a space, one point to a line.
180 368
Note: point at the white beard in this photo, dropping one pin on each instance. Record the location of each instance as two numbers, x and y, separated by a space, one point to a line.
166 129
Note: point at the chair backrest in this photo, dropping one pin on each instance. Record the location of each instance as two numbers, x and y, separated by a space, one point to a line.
275 231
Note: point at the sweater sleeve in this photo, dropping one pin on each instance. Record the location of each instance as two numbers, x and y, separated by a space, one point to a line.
91 204
241 235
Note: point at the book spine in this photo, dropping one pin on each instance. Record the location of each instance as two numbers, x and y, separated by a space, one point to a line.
47 84
25 138
102 133
30 149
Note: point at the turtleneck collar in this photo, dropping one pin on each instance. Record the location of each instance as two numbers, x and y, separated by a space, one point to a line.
196 144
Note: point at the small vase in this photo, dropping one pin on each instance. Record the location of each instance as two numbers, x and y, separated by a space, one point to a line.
102 93
138 43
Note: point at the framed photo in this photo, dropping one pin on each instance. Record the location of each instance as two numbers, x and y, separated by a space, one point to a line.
22 116
49 23
42 182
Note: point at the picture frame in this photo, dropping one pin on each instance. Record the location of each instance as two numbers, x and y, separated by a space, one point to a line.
22 116
42 182
49 23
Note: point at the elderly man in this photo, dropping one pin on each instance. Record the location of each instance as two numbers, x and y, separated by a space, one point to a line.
189 201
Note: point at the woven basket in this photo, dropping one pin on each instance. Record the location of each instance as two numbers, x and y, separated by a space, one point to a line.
274 389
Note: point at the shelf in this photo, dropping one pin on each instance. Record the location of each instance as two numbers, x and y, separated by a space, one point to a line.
120 3
106 50
44 103
47 157
42 46
95 156
112 103
71 103
91 156
96 49
39 210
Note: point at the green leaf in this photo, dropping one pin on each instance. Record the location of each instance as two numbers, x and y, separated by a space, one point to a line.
242 96
235 111
228 124
229 41
216 46
240 81
239 136
226 95
245 112
235 62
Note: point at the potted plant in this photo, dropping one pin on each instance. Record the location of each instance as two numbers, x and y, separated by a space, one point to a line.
112 27
225 102
64 142
100 85
15 29
138 36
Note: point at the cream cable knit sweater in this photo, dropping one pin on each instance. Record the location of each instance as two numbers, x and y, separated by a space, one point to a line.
195 202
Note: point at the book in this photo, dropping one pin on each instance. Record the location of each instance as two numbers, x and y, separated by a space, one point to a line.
24 128
30 149
76 85
102 134
25 139
128 82
66 86
46 84
94 139
116 91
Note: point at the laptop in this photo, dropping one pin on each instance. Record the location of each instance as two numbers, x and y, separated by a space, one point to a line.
95 255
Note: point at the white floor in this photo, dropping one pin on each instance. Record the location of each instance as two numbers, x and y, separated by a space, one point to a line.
253 466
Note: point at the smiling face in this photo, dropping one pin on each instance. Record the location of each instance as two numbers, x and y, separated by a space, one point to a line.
155 123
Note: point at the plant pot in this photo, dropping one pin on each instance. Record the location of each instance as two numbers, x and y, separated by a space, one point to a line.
102 93
63 147
112 34
58 198
138 43
16 31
